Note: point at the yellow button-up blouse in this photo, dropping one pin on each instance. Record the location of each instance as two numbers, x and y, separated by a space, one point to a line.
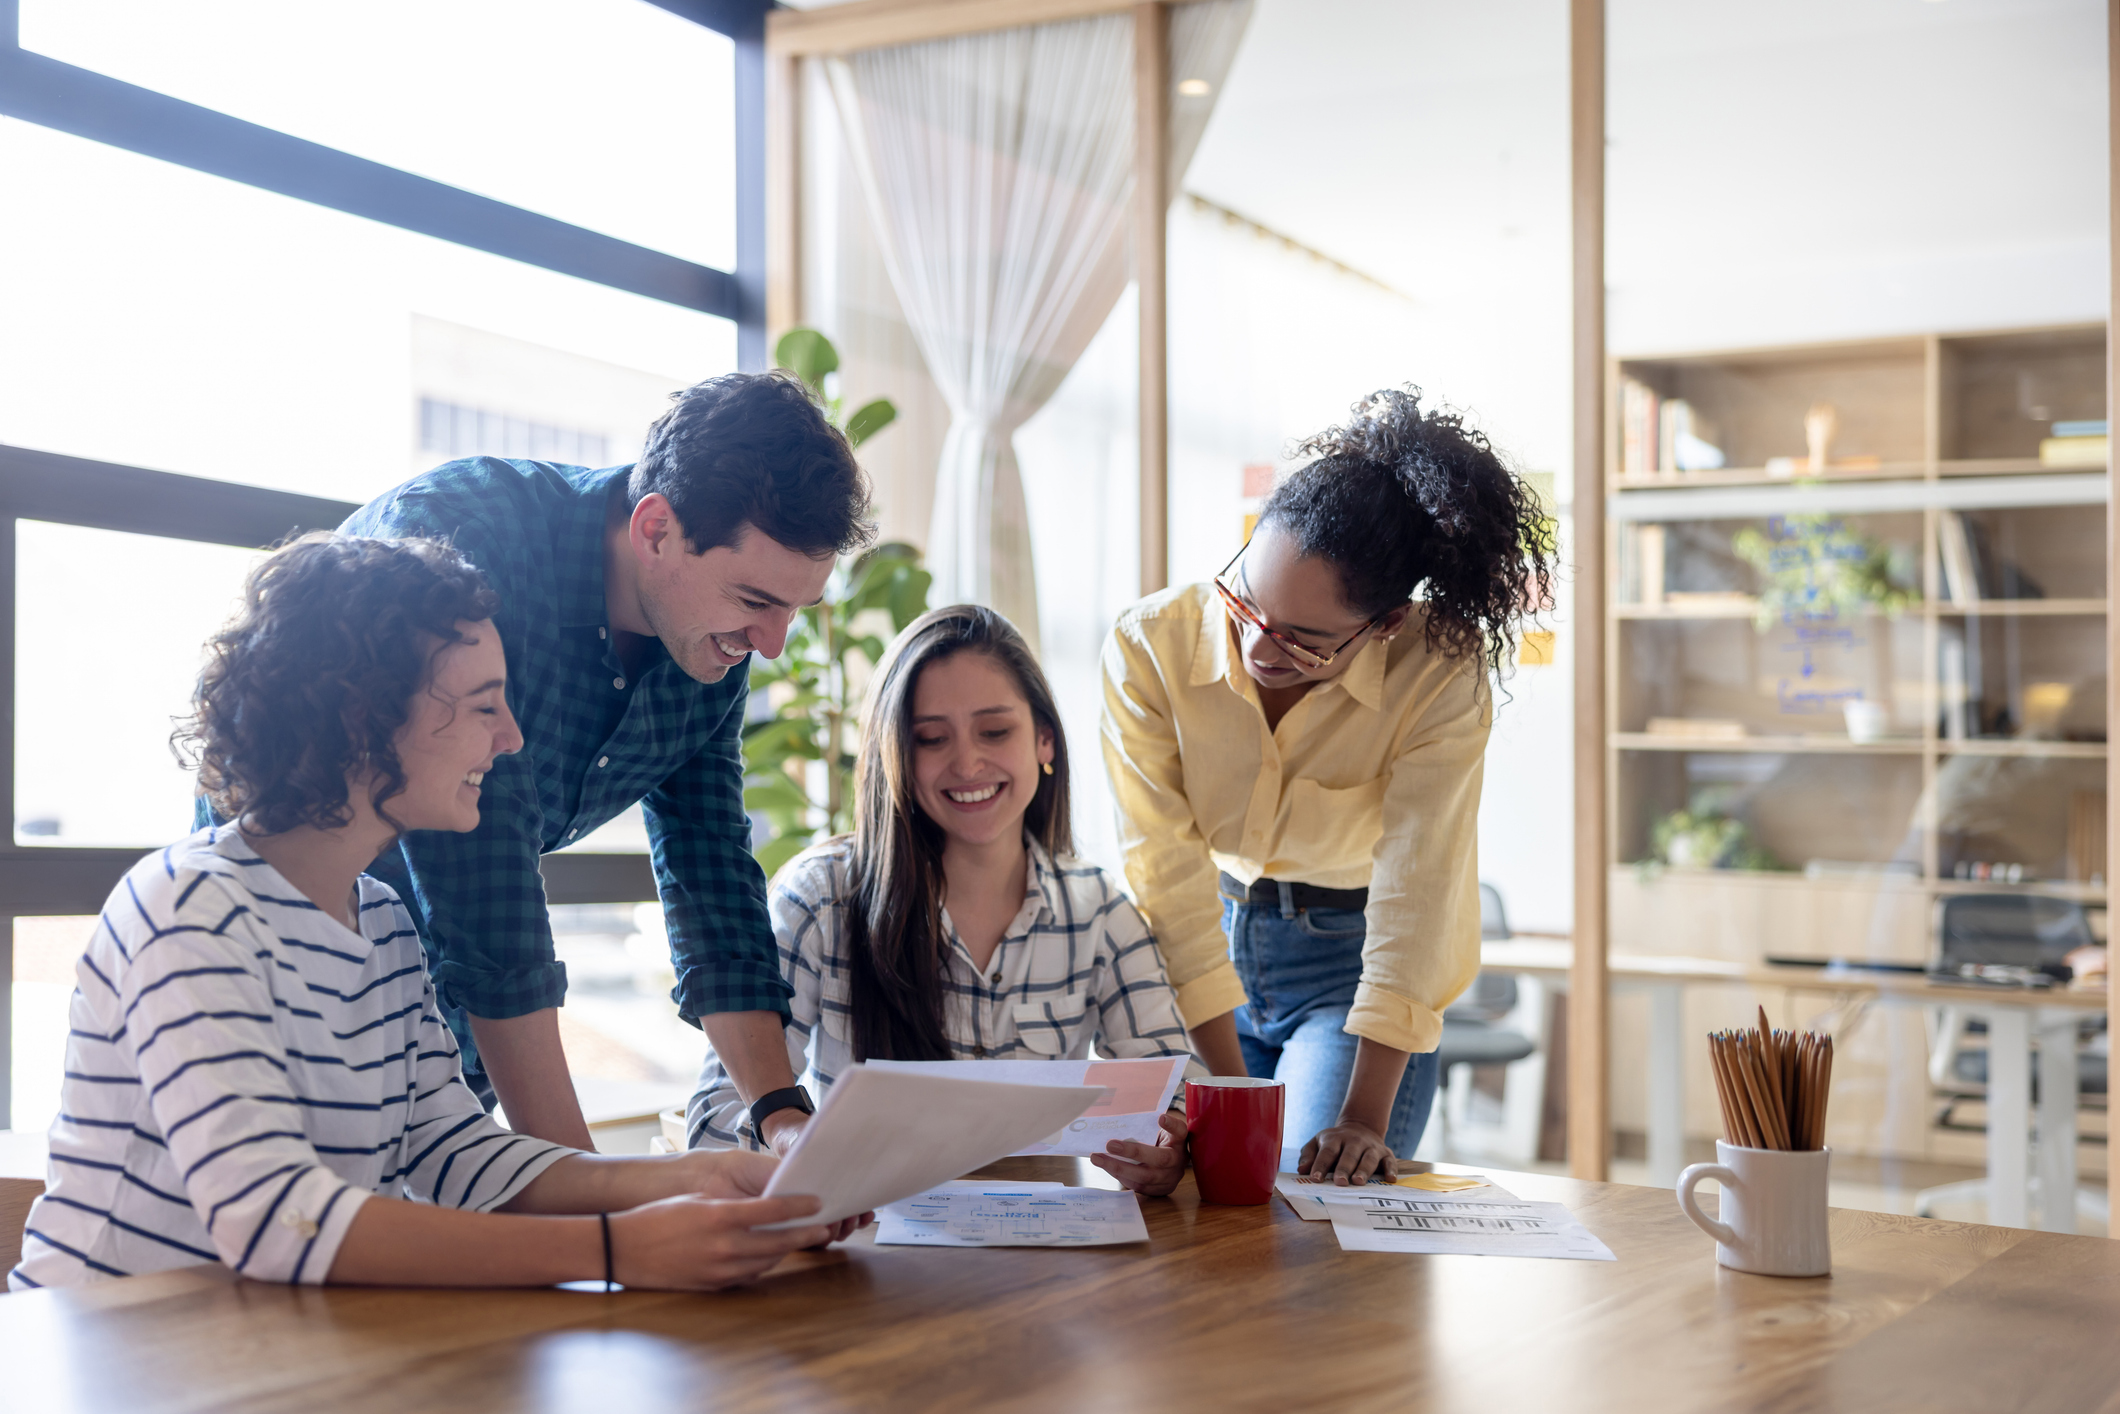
1372 780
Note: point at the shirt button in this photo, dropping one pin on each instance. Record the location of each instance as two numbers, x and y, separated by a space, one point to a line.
601 633
572 833
619 683
602 761
979 1052
995 979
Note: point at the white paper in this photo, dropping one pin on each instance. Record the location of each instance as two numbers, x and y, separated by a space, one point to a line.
886 1134
1142 1092
1012 1215
1305 1198
1406 1220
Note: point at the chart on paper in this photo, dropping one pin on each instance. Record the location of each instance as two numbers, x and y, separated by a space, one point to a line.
1383 1222
966 1215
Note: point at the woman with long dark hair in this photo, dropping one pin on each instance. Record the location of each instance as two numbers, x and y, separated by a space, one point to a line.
954 922
1296 748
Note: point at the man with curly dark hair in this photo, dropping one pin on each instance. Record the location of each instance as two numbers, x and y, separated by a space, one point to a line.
1296 751
631 599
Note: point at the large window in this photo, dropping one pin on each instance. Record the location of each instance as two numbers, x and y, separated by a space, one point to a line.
613 115
264 261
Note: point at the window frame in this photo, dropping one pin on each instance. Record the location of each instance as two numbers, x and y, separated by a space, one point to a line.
47 486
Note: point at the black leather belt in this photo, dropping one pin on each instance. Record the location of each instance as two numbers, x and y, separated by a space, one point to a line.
1266 893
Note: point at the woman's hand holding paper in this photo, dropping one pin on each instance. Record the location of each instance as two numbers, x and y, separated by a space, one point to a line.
698 1243
1153 1169
738 1174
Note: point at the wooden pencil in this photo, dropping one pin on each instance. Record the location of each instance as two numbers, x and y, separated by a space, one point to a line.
1753 1065
1735 1117
1722 1094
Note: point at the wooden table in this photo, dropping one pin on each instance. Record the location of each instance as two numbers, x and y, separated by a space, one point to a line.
1225 1309
2023 1024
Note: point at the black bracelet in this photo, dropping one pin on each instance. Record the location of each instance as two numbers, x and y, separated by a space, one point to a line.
605 1219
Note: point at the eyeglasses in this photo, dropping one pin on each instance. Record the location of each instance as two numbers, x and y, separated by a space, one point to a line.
1301 653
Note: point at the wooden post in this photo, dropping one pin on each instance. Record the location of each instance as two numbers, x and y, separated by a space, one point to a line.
2112 599
1151 210
783 195
1589 1127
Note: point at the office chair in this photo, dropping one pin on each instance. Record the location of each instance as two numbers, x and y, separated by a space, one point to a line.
2027 933
1473 1033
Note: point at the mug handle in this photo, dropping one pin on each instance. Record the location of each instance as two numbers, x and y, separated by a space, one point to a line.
1721 1173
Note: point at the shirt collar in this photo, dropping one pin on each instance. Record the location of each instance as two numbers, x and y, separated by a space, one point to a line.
1042 880
580 547
1364 677
1214 660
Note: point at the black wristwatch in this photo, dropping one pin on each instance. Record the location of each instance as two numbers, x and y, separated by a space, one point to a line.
792 1098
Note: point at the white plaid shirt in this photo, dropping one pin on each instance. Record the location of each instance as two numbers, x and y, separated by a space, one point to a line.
1076 967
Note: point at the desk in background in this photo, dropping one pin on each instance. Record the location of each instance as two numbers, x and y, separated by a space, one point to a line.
2016 1018
1226 1308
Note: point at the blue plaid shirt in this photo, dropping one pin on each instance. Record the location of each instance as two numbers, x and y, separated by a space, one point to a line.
596 739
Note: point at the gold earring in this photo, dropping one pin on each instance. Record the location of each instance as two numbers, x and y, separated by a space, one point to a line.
1048 768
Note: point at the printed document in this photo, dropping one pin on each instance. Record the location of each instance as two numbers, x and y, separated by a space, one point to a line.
1395 1220
1141 1091
886 1134
1304 1197
1012 1215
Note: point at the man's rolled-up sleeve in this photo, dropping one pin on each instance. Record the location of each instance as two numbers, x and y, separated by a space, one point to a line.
713 892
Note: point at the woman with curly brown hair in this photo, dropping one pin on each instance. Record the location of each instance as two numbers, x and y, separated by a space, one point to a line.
1296 751
256 1071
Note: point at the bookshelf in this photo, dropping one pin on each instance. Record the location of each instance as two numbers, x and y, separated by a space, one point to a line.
1855 638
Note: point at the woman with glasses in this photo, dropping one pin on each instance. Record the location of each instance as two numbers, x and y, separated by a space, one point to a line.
1296 751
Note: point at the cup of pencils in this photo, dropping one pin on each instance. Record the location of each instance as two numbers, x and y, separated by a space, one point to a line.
1772 1165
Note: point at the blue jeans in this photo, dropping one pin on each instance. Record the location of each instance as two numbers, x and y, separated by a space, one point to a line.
1299 968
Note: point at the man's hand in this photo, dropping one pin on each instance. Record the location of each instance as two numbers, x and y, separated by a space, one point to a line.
782 1128
1153 1169
696 1243
1347 1153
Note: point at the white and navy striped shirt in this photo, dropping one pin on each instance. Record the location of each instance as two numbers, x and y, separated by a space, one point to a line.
1076 967
242 1073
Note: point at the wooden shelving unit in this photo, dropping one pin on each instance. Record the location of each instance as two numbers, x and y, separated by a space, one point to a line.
1992 692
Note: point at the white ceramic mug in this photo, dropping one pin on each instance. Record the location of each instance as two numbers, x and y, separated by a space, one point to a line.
1773 1209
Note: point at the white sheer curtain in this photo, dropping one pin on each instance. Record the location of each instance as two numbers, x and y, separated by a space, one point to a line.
997 170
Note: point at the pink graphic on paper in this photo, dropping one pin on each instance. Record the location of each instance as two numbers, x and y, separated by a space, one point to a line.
1136 1085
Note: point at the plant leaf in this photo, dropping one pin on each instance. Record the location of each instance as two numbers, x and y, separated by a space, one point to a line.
782 848
869 419
808 355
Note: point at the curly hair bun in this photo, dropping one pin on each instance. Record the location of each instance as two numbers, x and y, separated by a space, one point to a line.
312 679
1403 501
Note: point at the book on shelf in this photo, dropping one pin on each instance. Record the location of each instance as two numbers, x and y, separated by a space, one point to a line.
2086 837
2074 451
1958 558
1662 436
1697 728
1639 567
1637 428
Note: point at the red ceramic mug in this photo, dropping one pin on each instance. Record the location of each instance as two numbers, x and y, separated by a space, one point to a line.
1235 1124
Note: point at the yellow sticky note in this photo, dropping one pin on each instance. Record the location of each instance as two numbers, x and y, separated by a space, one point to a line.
1535 648
1440 1183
